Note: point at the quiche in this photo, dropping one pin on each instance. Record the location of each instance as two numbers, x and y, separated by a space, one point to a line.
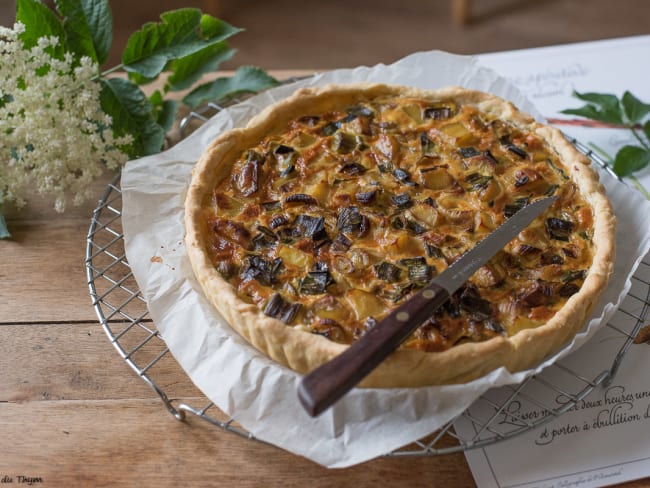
330 208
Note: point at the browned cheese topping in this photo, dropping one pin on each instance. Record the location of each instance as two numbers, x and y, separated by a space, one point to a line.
334 222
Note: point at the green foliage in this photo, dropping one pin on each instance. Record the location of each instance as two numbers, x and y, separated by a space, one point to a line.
186 44
88 25
39 22
246 79
628 112
630 159
133 114
634 109
187 70
180 34
603 107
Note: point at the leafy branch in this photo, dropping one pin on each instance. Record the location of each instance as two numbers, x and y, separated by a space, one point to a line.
185 45
626 112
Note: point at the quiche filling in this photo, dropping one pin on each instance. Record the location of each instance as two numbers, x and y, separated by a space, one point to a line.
340 217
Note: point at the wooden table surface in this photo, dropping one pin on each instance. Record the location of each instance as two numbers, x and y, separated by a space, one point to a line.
72 412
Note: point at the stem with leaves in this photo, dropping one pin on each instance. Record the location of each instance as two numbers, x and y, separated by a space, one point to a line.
628 112
185 44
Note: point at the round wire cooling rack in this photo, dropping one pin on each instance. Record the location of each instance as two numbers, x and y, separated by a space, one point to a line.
123 314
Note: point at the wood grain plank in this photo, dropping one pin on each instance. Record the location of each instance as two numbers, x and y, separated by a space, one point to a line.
136 443
78 362
42 278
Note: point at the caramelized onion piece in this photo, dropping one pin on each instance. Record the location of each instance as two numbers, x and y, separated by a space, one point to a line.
403 176
471 302
342 243
568 289
352 169
526 250
309 226
403 222
301 198
477 181
278 221
512 208
331 329
278 308
262 270
559 229
315 282
436 178
232 231
403 200
247 179
388 272
344 143
428 146
539 293
469 152
440 110
505 142
309 120
266 238
352 222
366 197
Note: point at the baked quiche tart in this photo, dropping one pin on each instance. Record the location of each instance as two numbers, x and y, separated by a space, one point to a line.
333 206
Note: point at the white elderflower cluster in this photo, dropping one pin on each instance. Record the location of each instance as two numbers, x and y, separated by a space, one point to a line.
54 137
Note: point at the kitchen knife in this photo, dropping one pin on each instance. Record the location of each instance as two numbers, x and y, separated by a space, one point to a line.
326 384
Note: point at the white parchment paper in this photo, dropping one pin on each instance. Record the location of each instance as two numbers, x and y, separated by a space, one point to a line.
255 391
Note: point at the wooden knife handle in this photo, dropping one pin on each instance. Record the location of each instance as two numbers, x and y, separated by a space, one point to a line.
328 383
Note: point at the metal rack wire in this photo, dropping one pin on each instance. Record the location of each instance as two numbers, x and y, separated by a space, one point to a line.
123 314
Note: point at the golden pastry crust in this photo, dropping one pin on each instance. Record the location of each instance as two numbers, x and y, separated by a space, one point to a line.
517 346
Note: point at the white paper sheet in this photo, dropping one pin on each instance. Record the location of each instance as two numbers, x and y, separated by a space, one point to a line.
606 438
258 393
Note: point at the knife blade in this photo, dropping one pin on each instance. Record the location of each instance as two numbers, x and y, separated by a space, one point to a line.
325 385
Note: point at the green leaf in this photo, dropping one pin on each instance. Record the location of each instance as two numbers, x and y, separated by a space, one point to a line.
132 113
646 129
587 111
635 109
605 100
213 28
602 106
167 114
188 70
165 110
4 231
40 21
89 27
246 79
156 99
138 79
77 30
180 34
100 20
630 159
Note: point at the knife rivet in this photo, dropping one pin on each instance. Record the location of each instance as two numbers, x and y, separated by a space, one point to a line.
402 316
428 294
